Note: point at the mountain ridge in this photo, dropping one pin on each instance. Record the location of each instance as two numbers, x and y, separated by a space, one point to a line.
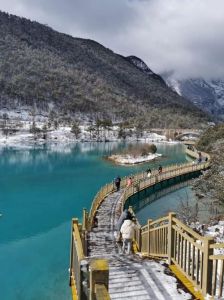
44 70
208 95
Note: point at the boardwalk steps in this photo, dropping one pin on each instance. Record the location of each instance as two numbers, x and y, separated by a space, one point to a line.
130 277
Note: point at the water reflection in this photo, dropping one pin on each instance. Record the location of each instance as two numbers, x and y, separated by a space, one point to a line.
157 201
165 204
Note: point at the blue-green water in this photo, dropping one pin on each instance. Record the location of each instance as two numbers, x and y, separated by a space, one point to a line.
40 191
164 205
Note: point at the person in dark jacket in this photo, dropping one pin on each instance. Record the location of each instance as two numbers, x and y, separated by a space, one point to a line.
117 183
160 169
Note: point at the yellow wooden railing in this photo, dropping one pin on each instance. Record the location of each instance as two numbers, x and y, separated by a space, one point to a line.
141 182
195 154
150 245
88 278
190 252
148 199
194 255
165 237
168 173
76 257
217 266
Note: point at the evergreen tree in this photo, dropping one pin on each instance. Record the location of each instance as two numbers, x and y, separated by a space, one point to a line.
90 129
5 129
76 129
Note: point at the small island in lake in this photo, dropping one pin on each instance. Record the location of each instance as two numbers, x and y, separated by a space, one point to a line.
135 154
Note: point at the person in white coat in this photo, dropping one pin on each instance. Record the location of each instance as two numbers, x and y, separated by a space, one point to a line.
128 232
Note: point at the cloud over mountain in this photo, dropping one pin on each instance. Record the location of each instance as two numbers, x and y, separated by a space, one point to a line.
183 36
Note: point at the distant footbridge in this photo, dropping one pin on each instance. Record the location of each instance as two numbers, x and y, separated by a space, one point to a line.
177 134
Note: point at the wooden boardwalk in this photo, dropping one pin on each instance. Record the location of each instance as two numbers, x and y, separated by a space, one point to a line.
130 277
198 265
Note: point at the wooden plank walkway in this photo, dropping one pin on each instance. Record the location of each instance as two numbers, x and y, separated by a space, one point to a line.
130 277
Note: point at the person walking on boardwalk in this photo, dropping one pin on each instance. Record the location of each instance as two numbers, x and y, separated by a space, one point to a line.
117 234
124 216
149 172
160 169
199 157
127 232
129 182
117 183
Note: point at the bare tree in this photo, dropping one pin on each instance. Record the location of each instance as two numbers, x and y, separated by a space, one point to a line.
188 213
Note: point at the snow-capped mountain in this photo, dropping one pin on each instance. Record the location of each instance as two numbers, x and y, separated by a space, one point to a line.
206 94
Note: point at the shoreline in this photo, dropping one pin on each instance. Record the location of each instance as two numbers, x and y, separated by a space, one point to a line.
24 144
130 161
63 136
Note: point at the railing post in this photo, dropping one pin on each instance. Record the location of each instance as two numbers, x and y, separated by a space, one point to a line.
137 231
75 262
149 222
170 245
99 274
207 267
71 255
84 219
139 238
85 227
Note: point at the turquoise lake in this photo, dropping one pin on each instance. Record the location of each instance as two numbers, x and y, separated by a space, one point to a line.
41 189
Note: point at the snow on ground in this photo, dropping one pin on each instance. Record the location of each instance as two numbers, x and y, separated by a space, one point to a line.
63 134
169 282
217 232
130 160
215 229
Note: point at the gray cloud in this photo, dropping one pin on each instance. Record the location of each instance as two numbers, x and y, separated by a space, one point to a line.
183 36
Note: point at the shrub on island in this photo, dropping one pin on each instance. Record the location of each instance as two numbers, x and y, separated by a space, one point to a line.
139 150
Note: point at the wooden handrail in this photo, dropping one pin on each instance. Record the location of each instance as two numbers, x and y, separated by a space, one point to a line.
78 242
86 272
76 257
143 182
188 229
217 246
216 257
190 252
156 228
187 237
159 220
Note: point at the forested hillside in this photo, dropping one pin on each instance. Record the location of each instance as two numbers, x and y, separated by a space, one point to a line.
211 184
51 72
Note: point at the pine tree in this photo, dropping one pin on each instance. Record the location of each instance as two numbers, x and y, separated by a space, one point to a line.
76 129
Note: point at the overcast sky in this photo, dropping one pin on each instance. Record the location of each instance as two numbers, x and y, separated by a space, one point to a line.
183 36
